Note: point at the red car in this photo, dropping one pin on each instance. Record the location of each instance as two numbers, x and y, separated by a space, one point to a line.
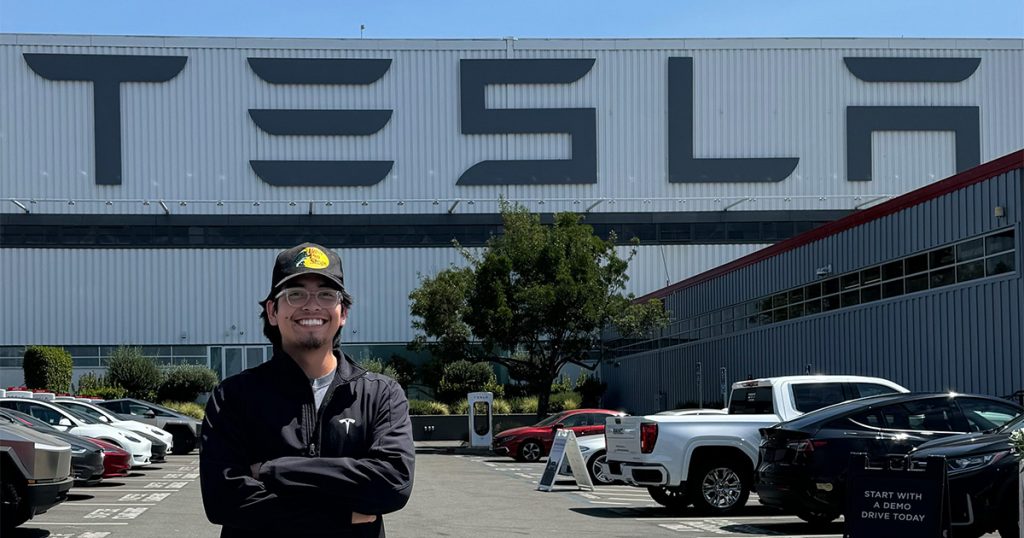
530 443
116 461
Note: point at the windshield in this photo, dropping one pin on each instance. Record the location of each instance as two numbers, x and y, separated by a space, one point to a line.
81 416
158 409
553 419
1013 425
85 409
27 419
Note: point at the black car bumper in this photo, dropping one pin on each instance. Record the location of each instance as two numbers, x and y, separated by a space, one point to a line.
87 469
159 454
42 497
981 499
796 491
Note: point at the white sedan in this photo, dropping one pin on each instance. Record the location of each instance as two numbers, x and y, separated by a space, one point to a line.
76 423
593 450
107 416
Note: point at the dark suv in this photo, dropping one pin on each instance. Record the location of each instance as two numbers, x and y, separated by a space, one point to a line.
803 462
184 428
983 480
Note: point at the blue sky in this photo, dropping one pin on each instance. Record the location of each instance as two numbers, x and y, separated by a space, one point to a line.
520 18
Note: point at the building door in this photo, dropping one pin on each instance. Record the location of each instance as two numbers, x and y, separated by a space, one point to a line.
233 363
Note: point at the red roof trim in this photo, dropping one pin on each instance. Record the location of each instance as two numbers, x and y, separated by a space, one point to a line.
977 174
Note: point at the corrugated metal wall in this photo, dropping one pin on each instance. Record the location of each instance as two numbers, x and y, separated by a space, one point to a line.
191 138
134 296
965 337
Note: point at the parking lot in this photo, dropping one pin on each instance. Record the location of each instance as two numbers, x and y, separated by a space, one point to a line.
457 495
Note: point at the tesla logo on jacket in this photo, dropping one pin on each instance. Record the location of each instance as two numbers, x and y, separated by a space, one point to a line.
271 460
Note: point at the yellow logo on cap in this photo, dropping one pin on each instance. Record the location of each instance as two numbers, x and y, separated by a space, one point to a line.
313 258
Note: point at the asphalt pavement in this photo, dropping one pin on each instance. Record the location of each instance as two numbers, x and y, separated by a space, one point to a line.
457 493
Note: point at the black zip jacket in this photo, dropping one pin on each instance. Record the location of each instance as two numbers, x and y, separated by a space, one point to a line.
271 465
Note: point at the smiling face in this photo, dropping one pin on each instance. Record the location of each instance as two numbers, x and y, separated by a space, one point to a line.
309 326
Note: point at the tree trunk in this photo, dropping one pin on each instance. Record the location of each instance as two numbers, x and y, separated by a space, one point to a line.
543 399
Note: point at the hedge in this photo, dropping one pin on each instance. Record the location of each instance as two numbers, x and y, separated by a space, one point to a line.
185 382
427 407
191 409
137 374
47 368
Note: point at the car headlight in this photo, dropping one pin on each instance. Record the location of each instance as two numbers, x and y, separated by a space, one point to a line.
132 439
77 451
970 463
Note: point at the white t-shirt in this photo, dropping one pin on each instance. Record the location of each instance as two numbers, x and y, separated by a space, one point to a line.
320 386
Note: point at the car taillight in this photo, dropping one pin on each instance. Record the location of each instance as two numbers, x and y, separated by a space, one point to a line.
648 436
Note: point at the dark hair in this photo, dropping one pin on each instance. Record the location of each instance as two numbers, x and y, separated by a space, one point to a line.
274 334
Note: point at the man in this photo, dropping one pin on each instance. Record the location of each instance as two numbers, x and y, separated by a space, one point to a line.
308 443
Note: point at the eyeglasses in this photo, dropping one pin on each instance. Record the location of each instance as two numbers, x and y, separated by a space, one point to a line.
298 297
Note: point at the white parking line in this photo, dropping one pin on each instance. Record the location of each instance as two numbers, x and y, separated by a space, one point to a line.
74 503
607 502
75 524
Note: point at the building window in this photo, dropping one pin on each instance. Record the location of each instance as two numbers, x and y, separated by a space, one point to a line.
986 256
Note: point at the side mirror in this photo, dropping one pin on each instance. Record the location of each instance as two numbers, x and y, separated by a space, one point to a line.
64 422
150 413
558 426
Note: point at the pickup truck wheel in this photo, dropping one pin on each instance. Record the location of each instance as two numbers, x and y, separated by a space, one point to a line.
530 451
672 498
718 487
13 502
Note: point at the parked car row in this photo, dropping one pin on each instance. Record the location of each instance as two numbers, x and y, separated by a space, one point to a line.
804 462
49 443
790 438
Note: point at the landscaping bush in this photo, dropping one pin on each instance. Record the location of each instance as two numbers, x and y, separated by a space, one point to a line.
137 374
562 384
564 401
107 393
377 366
191 409
462 377
90 384
47 368
502 406
185 382
526 404
427 407
460 407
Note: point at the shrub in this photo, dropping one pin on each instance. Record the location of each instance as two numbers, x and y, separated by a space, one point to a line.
185 382
502 407
107 393
590 390
47 368
564 401
460 407
427 407
191 409
462 377
562 384
405 371
377 366
137 374
526 404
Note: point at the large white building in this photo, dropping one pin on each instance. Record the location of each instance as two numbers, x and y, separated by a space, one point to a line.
146 182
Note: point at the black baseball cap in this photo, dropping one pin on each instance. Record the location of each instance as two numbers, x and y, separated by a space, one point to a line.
307 259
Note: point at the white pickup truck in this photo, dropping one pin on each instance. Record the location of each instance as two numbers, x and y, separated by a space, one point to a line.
709 460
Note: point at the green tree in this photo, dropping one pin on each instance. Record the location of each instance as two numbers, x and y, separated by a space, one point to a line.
536 299
129 369
47 368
